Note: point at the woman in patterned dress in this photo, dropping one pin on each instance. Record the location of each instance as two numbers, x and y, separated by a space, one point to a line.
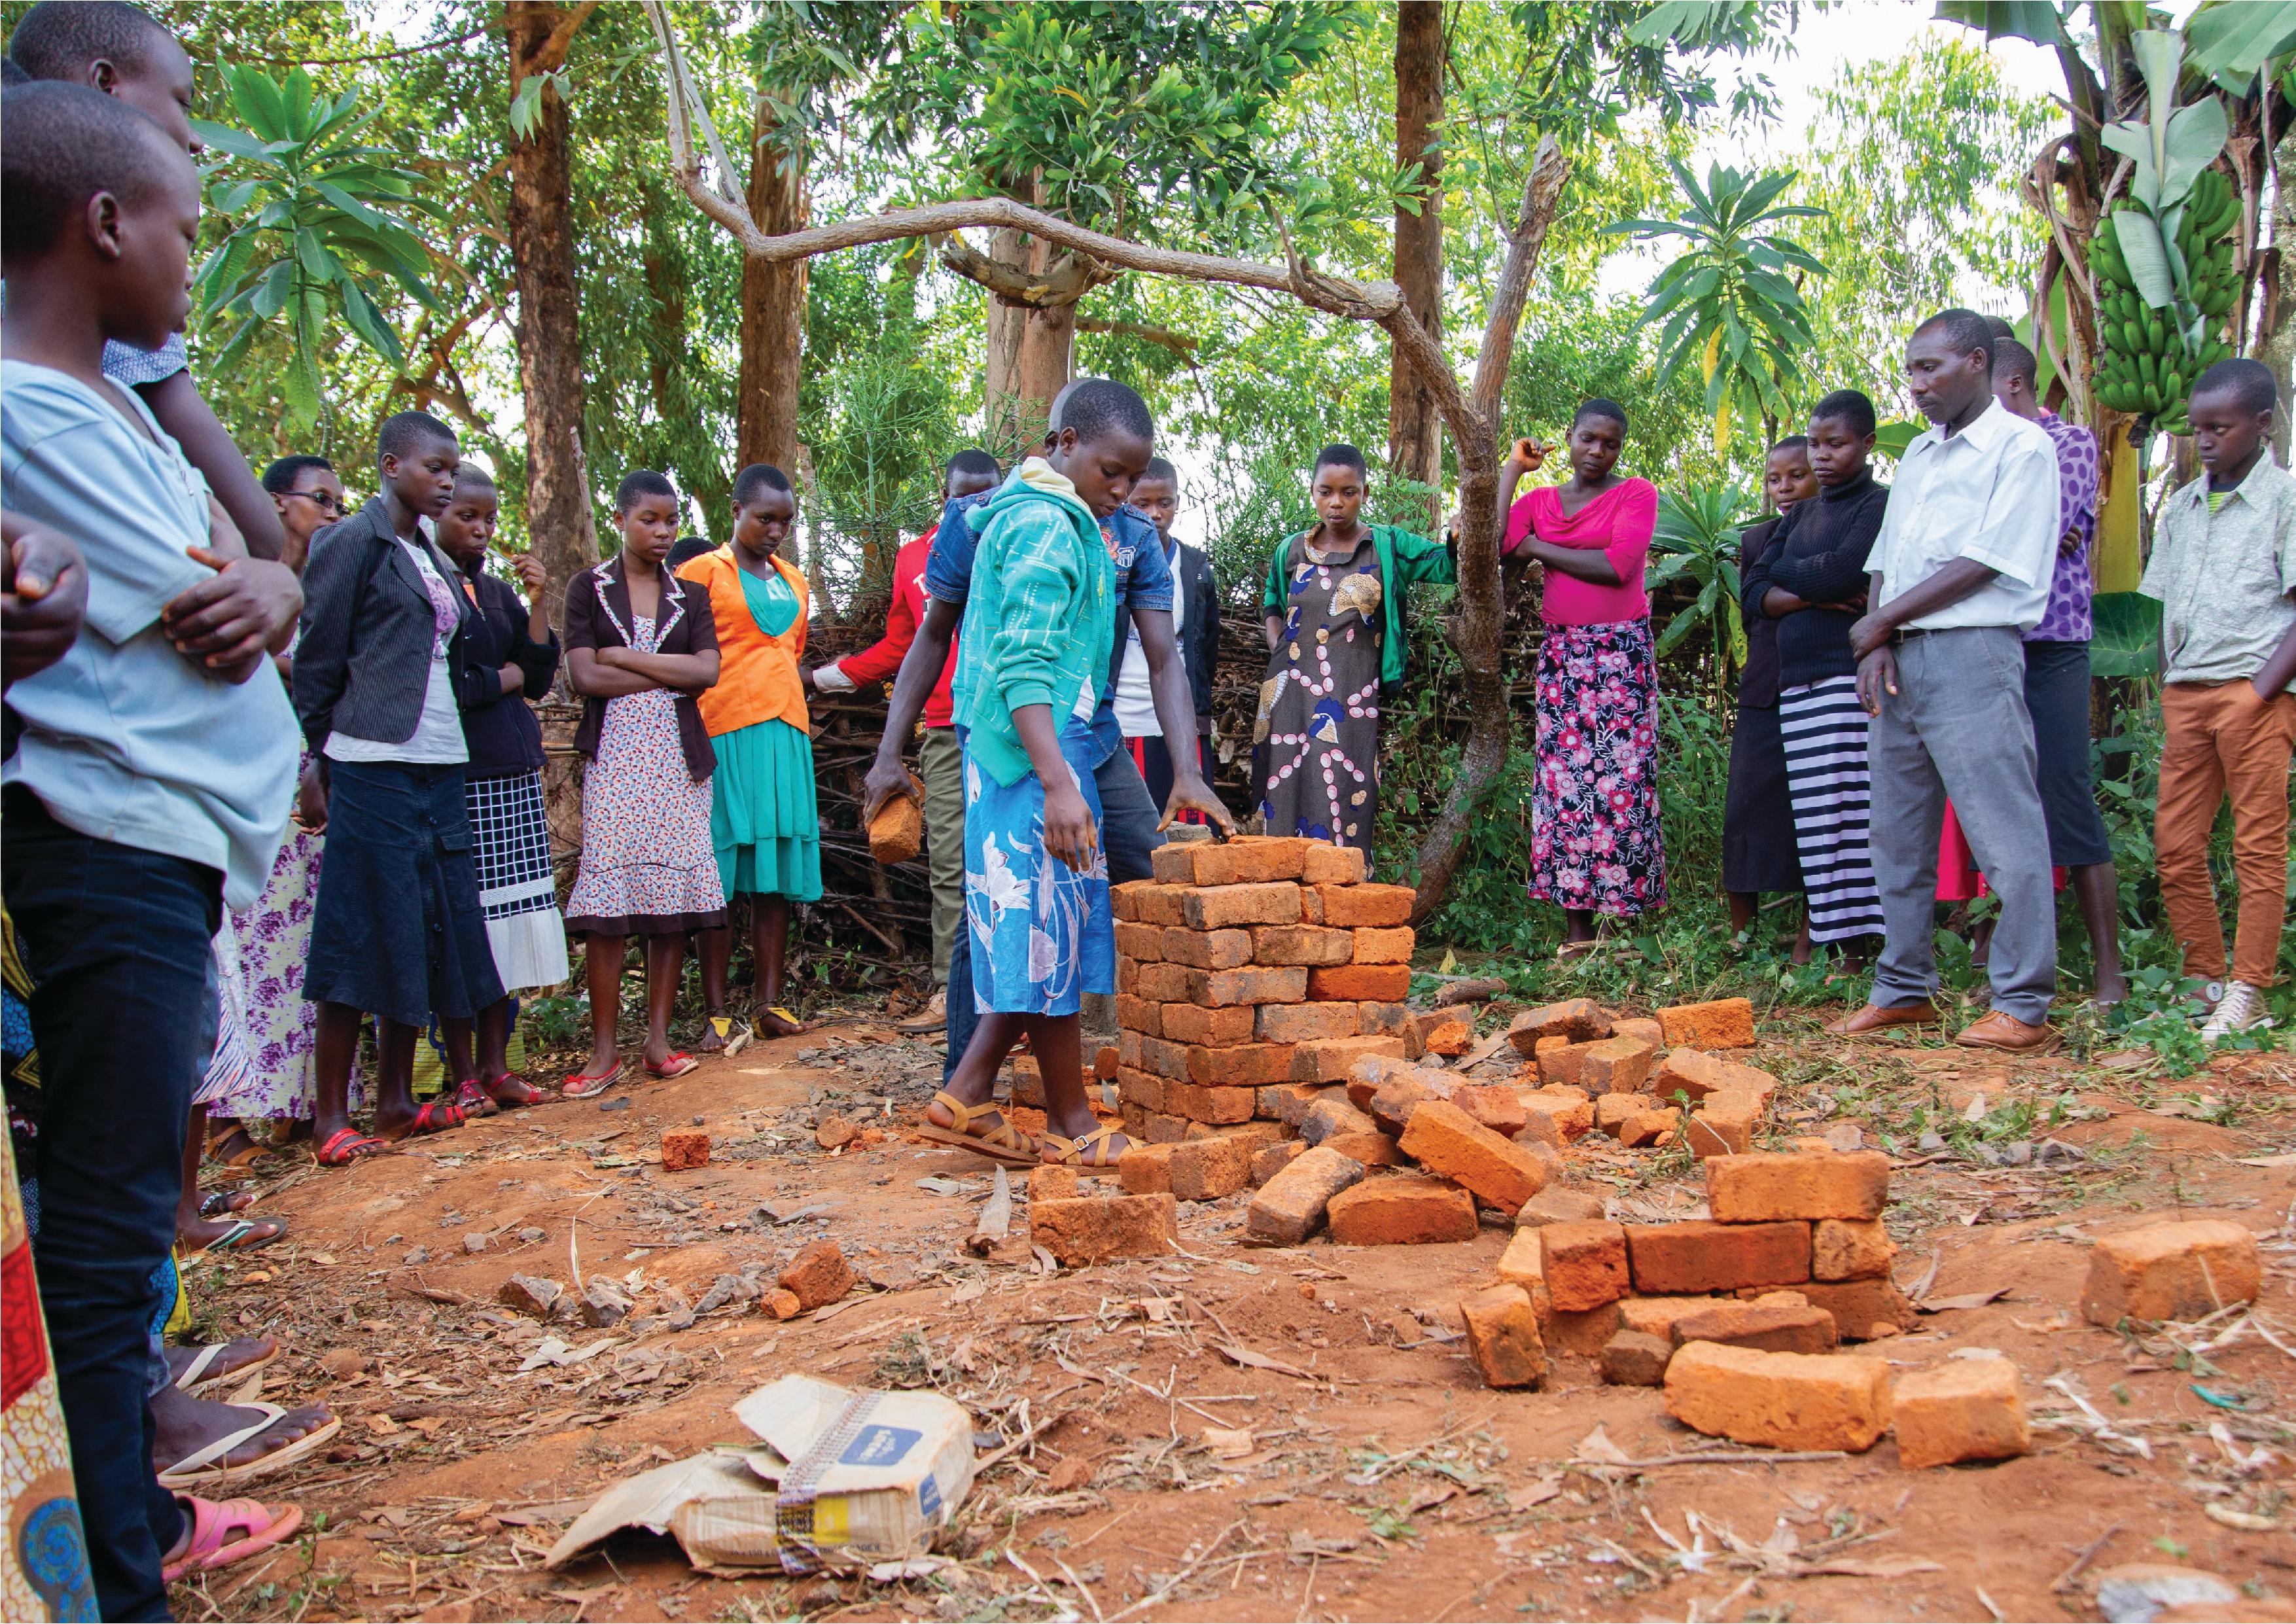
640 644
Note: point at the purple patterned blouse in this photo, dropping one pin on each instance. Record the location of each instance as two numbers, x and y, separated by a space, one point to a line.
2065 619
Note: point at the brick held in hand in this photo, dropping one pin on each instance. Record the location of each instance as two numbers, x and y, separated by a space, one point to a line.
1725 1023
1351 905
1207 949
1291 1206
1358 983
1402 1210
1769 1185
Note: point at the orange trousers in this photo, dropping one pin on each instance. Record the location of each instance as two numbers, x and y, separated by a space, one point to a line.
2217 747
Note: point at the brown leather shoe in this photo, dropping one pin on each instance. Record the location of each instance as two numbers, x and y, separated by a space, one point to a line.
2000 1030
1875 1018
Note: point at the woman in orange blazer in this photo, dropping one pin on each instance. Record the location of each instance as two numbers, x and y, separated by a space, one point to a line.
763 818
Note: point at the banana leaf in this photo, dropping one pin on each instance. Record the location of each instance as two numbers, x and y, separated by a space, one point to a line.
2127 641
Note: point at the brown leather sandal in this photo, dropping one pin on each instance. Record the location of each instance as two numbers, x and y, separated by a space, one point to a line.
1003 1142
1088 1153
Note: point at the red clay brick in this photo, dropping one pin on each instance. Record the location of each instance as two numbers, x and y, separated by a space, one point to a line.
1205 1169
782 1303
1250 859
1124 900
1583 1333
1247 984
1105 1062
1777 1327
1658 1316
1386 1018
1402 1210
1164 1059
1291 1206
1562 1061
1642 1026
1524 1263
1144 1090
1695 1073
1503 1336
1635 1358
1333 1114
1243 1065
818 1274
1092 1228
1374 1150
2165 1271
1768 1185
1219 907
1162 1127
1301 944
1615 1065
1197 1103
1162 983
1137 1014
1127 974
1450 1038
1269 1160
1372 1072
1207 949
1725 1124
1784 1400
1393 1101
1311 905
1190 1023
1388 944
1585 1264
1495 1105
1649 1130
1144 943
682 1148
1173 864
1308 1022
1700 1256
1288 1103
1158 905
1331 1059
1445 1139
1558 1206
1350 905
1049 1183
1725 1023
1841 1249
1145 1169
1572 1113
1613 1111
1578 1020
1376 982
1859 1306
1962 1410
1328 864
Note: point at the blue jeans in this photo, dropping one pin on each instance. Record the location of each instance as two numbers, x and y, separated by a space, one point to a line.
1127 832
116 940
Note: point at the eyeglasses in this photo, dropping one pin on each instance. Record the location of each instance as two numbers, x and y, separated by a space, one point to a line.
324 501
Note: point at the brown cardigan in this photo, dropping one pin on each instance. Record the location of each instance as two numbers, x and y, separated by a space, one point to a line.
597 611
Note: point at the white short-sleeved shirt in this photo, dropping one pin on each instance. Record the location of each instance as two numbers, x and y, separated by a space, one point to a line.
1136 702
1989 494
124 738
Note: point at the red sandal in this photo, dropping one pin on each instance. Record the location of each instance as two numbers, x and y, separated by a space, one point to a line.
677 1066
435 1117
346 1146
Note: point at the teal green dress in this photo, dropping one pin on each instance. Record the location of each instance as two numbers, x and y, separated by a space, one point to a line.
763 817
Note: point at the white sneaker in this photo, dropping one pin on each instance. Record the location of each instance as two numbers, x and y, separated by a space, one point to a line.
2240 1010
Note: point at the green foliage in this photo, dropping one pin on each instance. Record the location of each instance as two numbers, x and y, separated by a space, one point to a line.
1697 539
2128 640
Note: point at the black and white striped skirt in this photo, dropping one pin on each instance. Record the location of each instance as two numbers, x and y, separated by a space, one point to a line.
1823 727
512 833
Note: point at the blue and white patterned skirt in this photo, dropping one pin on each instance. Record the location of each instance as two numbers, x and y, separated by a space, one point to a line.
1042 935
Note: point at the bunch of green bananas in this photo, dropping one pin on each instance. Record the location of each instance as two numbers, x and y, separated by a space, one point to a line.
2148 362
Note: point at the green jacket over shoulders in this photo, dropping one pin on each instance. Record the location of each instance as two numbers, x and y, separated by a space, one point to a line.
1403 558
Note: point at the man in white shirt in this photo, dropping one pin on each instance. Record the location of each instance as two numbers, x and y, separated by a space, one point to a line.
1960 572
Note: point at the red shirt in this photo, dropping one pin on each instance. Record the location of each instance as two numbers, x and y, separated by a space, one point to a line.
1618 523
882 659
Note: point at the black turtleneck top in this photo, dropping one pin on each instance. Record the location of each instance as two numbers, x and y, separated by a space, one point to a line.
1819 555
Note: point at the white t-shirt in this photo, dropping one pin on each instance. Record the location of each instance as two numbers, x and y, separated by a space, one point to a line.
437 738
1990 494
1135 705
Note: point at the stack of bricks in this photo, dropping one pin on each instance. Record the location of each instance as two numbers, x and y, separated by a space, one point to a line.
1246 969
1795 1260
1626 1076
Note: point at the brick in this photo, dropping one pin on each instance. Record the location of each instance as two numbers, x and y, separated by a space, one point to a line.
1503 1336
1193 1025
1524 1263
1493 1104
1402 1210
1386 1019
1092 1229
1384 945
782 1303
1374 1150
1585 1264
1243 1065
1207 949
1158 905
1450 1038
1444 1139
1840 1249
1127 974
1648 1129
1311 905
1774 1326
1393 1101
1768 1185
1331 1059
1962 1410
1164 1059
1333 1115
1784 1400
1549 1160
1219 907
1172 865
1695 1073
1135 940
1700 1256
1572 1114
1165 983
818 1274
2165 1271
1255 1133
1288 1103
1582 1332
1562 1063
1247 984
1374 1070
1658 1316
1635 1358
1351 905
1205 1169
1290 1205
1049 1183
1376 982
1613 1111
1104 1063
1578 1019
1724 1125
1556 1206
1269 1160
1725 1023
1326 865
1162 1127
682 1148
1642 1026
1199 1103
1616 1065
1252 859
1301 944
1859 1307
1308 1022
1135 1119
1124 900
1135 1087
1145 1169
1539 1128
1137 1014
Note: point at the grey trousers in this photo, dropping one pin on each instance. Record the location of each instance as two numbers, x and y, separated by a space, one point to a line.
1957 726
940 763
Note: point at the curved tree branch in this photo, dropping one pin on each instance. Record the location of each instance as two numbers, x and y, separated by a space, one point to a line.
1066 280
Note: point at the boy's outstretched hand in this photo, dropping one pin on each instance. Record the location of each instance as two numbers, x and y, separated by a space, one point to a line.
1194 795
227 623
43 598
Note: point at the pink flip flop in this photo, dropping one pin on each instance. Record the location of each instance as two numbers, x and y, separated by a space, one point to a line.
584 1084
677 1066
226 1531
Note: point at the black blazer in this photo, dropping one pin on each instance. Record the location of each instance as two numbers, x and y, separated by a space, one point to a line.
597 614
1200 627
504 737
363 660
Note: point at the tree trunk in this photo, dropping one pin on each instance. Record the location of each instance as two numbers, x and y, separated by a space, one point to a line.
2279 347
1032 351
541 222
1414 443
773 307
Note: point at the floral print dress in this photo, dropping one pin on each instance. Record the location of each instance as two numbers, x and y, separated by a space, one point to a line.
1596 842
1041 931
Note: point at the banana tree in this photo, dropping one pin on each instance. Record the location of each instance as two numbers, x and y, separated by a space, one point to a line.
1730 298
1696 539
320 228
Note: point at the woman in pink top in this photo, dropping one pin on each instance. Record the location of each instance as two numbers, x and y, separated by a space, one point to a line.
1595 846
